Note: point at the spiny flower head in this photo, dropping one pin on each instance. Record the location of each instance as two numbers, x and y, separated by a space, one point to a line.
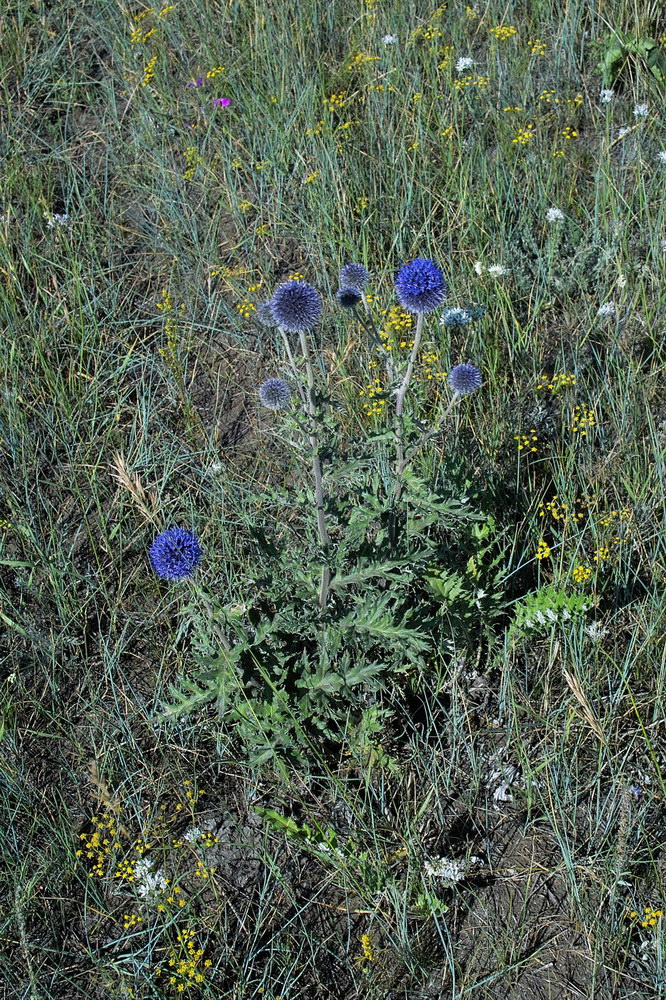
274 394
175 553
455 316
296 306
420 286
348 297
354 276
464 379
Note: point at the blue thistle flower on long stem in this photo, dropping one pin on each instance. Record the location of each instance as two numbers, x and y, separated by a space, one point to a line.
464 379
274 394
354 276
420 286
296 306
175 553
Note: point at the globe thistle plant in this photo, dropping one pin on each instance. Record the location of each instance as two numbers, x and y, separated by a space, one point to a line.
420 286
348 297
455 317
464 379
354 276
296 306
175 553
274 394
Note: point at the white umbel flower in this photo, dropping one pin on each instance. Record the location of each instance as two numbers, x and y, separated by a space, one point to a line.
478 267
640 110
465 62
607 309
606 96
661 156
390 39
496 270
554 215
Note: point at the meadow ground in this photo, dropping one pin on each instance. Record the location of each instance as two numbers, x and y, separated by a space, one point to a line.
472 804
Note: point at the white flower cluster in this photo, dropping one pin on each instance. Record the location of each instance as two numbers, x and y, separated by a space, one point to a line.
56 220
390 39
495 270
641 110
147 882
607 309
452 869
554 215
465 62
606 96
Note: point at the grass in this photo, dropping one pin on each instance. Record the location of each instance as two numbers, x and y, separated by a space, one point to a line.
530 755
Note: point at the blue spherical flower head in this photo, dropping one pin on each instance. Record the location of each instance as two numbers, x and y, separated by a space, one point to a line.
274 394
348 297
464 379
420 286
354 276
175 553
296 306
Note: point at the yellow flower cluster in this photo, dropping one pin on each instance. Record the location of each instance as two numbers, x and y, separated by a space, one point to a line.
360 60
569 133
525 134
245 206
317 129
366 946
427 31
185 962
526 441
428 358
202 872
543 550
447 132
4 524
361 205
537 47
650 916
516 108
262 164
626 515
603 552
131 920
236 163
397 321
503 31
446 52
581 420
556 383
149 71
549 97
215 71
335 101
471 81
582 574
562 512
139 37
376 405
246 308
312 177
99 845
